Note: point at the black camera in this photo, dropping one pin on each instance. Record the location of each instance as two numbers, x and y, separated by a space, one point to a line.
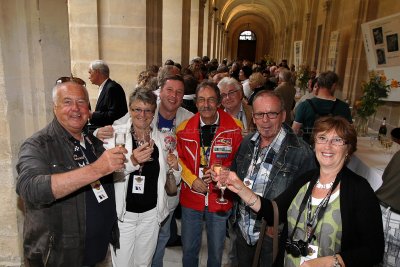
297 248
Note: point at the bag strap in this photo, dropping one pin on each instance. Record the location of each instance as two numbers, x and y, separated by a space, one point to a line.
275 240
275 236
313 107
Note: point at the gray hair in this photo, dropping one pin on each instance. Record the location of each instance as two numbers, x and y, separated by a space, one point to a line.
226 81
56 87
285 75
271 94
101 66
145 95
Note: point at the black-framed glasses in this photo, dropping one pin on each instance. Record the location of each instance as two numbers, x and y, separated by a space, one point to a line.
71 79
270 115
337 141
229 94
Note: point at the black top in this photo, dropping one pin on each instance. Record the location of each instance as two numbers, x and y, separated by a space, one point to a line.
140 203
98 219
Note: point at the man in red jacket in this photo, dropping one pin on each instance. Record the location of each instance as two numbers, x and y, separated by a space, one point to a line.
210 135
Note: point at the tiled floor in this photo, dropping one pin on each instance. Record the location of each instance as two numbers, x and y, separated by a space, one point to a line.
173 255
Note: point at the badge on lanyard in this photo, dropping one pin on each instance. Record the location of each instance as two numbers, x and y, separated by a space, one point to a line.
138 184
99 191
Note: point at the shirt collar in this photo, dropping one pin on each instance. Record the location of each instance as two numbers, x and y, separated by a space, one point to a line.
216 122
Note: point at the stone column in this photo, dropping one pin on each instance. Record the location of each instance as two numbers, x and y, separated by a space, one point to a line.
194 29
34 52
172 30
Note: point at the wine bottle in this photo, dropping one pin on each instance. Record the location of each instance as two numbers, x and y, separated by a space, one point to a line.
382 129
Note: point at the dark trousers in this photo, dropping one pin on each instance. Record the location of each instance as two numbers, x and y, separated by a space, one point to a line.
245 252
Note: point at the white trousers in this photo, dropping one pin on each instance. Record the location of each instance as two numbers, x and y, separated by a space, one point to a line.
138 239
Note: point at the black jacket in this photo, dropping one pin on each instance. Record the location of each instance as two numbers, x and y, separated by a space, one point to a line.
362 242
111 105
55 230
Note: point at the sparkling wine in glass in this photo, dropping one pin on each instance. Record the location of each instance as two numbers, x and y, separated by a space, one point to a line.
223 173
120 139
146 138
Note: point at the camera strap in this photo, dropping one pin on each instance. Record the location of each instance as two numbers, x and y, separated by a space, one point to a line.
319 212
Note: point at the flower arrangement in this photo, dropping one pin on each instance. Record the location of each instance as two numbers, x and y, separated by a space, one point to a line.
375 89
303 75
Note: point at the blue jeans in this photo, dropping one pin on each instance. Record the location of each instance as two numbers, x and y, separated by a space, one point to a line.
192 226
163 237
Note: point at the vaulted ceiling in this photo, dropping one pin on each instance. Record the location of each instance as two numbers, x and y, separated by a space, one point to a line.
266 18
274 14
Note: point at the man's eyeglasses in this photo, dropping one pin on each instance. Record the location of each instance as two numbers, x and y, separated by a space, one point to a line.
71 79
270 115
334 141
229 94
210 100
147 112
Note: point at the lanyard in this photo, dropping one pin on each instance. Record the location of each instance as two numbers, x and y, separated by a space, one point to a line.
78 154
207 153
319 212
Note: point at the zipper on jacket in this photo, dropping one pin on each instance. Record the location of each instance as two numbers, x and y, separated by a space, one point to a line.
49 251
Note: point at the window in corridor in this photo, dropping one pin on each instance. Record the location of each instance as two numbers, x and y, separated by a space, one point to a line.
247 36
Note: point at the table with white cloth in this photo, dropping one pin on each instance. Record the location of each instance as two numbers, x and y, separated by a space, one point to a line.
371 159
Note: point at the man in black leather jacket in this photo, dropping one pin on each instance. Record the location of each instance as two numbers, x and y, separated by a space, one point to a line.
65 180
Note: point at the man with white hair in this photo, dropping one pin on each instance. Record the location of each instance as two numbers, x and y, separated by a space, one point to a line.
111 103
232 100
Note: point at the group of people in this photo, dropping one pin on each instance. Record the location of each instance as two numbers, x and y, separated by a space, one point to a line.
82 191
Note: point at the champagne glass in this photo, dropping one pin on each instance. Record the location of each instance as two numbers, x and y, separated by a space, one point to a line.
120 139
223 172
170 145
146 138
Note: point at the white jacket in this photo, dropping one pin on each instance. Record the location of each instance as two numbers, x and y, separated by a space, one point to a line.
165 203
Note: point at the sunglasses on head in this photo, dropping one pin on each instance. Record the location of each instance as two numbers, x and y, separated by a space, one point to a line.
71 79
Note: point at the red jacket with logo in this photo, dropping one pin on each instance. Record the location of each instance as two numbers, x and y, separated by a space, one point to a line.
224 145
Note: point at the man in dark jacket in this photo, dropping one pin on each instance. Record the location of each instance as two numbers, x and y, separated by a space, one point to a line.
65 182
111 103
268 161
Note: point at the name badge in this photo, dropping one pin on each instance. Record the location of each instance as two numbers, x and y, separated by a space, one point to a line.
312 254
138 184
99 191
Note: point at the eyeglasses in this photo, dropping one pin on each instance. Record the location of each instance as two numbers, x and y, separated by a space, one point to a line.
68 102
147 112
229 94
210 100
334 141
270 115
71 79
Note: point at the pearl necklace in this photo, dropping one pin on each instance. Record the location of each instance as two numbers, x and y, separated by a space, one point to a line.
323 186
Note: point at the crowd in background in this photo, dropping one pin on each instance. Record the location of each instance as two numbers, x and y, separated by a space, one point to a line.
179 123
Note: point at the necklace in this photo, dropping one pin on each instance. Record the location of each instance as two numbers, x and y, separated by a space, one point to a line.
323 186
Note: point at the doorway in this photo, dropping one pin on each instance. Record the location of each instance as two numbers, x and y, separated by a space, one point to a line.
247 44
